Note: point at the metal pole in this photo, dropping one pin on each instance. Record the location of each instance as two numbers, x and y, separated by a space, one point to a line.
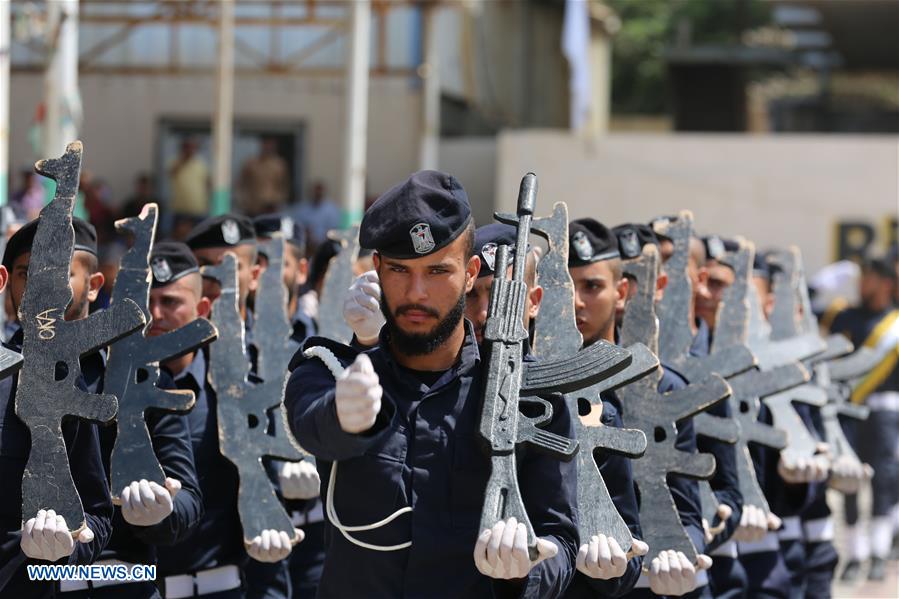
224 112
62 103
430 75
353 197
5 43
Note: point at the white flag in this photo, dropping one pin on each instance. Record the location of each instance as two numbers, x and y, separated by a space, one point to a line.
576 47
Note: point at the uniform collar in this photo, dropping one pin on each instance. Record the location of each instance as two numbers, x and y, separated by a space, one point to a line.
196 370
469 355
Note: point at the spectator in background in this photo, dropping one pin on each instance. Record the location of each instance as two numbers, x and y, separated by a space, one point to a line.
318 213
96 206
190 186
264 183
143 194
28 200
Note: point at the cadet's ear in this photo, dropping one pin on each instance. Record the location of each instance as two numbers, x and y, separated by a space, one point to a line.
302 272
536 296
661 283
204 307
471 272
95 283
621 290
4 278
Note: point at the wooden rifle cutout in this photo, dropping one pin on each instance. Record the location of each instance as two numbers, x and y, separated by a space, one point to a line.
657 414
338 279
251 418
47 389
557 337
132 370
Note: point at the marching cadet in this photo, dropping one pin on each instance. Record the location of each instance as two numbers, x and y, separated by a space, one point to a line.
604 568
45 536
727 576
299 481
595 264
402 424
771 549
875 325
209 561
209 241
150 514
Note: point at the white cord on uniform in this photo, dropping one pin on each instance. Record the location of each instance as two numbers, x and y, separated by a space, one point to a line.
333 364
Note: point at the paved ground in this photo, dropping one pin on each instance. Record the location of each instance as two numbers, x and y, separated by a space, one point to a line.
861 589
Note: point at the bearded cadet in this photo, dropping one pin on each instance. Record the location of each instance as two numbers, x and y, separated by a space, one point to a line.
402 424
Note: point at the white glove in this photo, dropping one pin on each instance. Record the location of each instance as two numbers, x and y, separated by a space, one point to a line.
502 551
671 573
753 525
272 545
47 537
603 558
362 308
804 469
358 396
146 503
308 303
299 480
847 474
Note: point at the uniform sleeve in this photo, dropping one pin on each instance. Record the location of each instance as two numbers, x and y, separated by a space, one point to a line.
549 489
724 482
172 445
90 481
618 477
684 490
313 416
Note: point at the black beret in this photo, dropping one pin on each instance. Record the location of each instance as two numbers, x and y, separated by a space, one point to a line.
881 267
487 239
171 260
632 237
267 225
22 240
716 247
590 241
226 230
420 216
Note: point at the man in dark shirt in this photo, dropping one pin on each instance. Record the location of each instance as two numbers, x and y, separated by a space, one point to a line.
45 536
875 325
402 424
601 290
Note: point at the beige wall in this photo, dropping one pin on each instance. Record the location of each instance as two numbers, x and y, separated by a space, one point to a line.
473 161
121 114
774 190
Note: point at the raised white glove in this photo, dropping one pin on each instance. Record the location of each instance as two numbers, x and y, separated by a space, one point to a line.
804 469
47 537
671 573
299 480
502 551
358 396
604 559
272 545
753 525
362 308
146 503
847 474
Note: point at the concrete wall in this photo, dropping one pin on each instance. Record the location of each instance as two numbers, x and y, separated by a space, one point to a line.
121 114
775 190
473 161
